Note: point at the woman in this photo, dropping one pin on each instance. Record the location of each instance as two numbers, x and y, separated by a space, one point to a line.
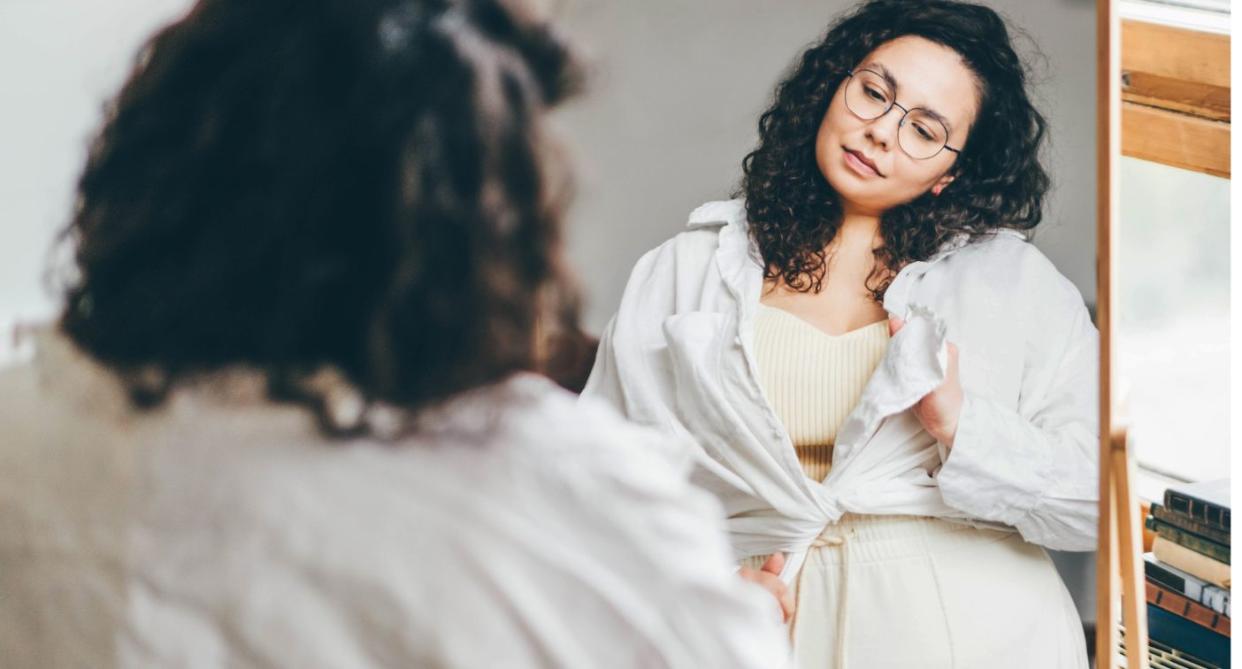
289 416
892 390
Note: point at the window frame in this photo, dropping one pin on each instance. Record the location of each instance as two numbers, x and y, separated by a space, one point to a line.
1175 110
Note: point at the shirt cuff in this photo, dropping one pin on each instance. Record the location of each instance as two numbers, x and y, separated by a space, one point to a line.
999 465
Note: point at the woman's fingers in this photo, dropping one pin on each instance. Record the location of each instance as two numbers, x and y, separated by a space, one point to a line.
894 324
787 604
782 593
779 590
774 564
774 585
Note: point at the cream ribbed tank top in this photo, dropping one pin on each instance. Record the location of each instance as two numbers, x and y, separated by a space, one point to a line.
814 379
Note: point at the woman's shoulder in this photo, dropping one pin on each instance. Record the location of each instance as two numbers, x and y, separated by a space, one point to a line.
707 227
1006 268
689 269
717 214
1008 258
995 247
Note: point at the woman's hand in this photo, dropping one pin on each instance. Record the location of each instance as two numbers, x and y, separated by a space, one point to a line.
768 576
939 410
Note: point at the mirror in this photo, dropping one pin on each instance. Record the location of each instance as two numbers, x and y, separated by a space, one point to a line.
675 100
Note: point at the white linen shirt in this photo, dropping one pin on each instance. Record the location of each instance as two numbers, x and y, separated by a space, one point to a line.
519 528
679 356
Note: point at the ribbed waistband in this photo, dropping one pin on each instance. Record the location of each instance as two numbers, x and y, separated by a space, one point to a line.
870 538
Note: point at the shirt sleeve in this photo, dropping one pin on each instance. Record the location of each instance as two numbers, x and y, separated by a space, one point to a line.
604 382
1035 467
629 373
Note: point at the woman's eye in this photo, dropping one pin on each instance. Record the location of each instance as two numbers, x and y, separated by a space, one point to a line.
924 132
876 94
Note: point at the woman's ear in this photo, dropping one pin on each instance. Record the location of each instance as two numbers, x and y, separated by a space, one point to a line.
941 184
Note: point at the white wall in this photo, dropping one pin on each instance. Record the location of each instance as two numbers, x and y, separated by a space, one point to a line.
59 61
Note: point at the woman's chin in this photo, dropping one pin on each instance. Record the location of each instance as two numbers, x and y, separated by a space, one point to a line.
853 199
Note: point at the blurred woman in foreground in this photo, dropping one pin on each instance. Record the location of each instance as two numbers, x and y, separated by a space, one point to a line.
289 418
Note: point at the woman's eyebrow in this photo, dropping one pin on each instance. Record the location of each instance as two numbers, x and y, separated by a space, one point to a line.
883 72
892 82
939 117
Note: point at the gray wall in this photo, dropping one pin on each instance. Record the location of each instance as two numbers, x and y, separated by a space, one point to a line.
675 91
59 61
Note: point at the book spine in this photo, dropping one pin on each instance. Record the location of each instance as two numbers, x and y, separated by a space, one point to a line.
1195 564
1216 599
1160 574
1195 543
1187 637
1197 509
1190 525
1192 587
1190 610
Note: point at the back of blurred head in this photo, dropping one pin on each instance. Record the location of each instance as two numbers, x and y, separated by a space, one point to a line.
355 185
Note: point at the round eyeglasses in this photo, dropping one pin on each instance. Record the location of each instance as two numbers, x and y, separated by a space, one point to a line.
920 133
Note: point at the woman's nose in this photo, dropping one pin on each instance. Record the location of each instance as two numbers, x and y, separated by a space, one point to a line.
883 129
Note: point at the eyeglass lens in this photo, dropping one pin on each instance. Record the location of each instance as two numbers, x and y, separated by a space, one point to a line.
869 96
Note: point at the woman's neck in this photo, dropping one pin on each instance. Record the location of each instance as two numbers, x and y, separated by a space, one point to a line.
858 232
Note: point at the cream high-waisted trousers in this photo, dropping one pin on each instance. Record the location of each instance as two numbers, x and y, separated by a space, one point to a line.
916 592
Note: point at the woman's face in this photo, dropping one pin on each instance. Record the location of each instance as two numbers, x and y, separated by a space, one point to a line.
862 158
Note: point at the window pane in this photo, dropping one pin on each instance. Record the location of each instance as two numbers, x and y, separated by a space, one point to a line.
1219 6
1173 321
1207 15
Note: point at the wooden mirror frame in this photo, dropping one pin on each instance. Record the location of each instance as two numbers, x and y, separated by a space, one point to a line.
1163 96
1118 558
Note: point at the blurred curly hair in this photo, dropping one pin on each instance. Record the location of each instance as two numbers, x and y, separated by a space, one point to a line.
363 186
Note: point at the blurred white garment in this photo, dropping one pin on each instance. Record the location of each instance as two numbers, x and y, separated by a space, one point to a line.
679 356
518 529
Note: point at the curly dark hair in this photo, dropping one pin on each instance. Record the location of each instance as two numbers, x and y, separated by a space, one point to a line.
363 186
998 179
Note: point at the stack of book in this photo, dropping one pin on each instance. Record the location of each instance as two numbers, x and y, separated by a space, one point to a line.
1188 572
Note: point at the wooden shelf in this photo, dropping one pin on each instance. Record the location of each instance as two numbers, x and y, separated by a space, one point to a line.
1175 139
1175 97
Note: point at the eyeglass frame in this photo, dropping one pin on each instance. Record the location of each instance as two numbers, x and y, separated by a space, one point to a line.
901 121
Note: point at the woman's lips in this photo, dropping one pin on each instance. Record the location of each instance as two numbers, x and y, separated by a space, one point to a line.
860 165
